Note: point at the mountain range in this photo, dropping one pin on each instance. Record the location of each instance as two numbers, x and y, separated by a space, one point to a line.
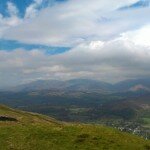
132 85
124 105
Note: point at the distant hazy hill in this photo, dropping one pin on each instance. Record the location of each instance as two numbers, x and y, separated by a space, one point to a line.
85 85
133 85
70 85
31 131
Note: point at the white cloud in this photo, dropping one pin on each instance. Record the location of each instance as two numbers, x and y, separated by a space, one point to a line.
10 21
12 9
113 60
32 10
71 23
139 37
107 44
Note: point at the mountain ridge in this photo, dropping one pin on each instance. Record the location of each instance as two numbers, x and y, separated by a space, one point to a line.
83 85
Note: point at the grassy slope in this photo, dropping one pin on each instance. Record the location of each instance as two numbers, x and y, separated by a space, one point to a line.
37 132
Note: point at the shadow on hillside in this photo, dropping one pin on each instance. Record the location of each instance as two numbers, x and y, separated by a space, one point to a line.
6 118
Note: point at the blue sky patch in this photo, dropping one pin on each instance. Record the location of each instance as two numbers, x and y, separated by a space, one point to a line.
22 5
10 45
139 4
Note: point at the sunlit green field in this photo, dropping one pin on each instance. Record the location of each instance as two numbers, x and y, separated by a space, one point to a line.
37 132
146 122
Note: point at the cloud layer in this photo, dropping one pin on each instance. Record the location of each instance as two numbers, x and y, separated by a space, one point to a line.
114 60
106 43
71 23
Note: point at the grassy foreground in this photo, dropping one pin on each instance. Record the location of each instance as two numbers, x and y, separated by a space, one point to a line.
38 132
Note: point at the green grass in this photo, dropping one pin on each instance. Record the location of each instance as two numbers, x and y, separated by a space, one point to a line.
38 132
146 122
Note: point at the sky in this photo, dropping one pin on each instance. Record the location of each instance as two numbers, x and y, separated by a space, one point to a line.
106 40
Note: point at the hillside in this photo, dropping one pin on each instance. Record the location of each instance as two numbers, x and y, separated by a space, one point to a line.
29 131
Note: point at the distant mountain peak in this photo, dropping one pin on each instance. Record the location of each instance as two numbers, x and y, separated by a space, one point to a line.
139 87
